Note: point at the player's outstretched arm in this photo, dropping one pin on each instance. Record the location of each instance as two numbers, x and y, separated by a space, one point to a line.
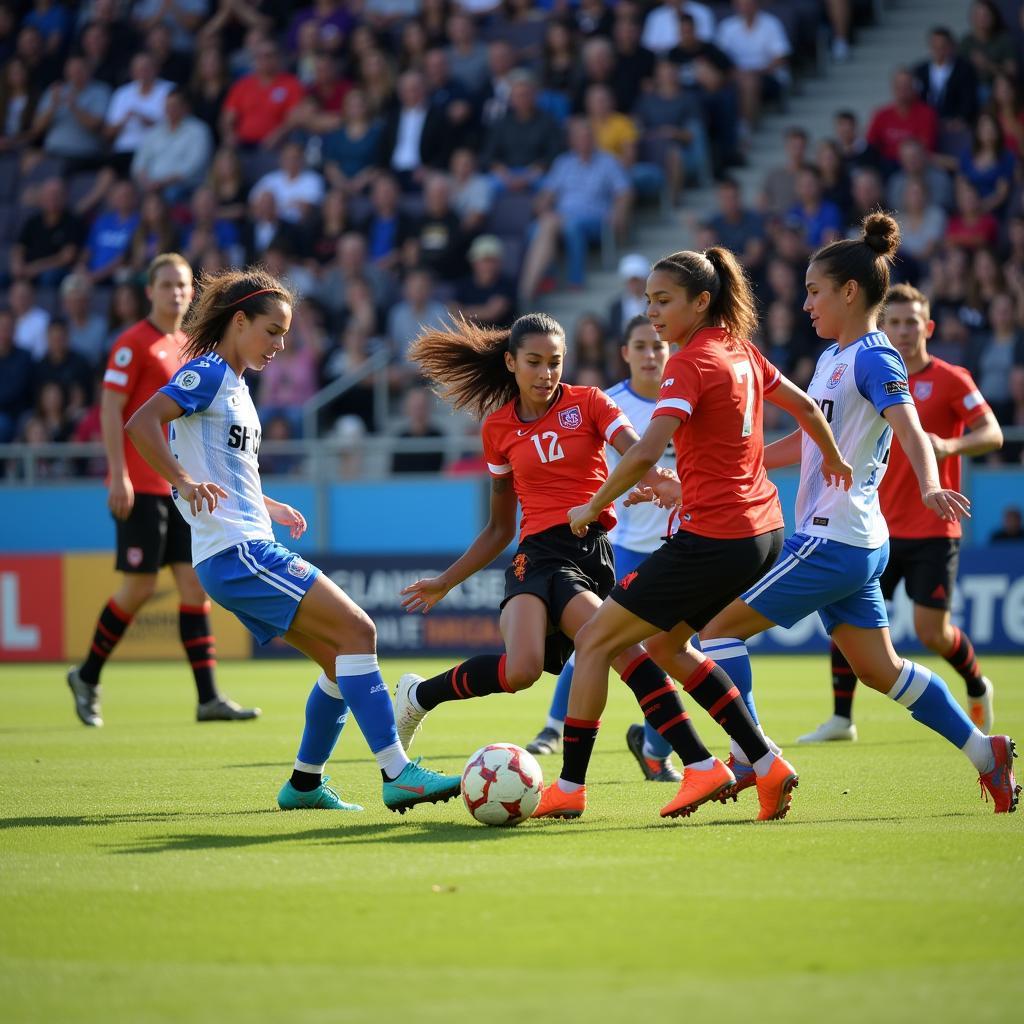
637 463
146 430
499 532
834 468
983 436
284 514
946 504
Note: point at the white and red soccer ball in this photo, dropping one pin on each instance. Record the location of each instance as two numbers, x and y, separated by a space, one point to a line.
501 784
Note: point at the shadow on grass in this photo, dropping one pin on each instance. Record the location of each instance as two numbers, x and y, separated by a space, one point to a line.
138 818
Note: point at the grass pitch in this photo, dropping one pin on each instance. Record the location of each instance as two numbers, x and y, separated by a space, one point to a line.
145 874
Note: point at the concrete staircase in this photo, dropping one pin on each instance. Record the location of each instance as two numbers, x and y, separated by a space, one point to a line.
861 83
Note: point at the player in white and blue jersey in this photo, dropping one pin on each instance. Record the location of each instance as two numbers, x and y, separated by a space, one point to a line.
640 530
833 563
211 461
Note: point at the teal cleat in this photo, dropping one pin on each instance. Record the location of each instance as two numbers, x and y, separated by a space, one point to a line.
322 798
418 785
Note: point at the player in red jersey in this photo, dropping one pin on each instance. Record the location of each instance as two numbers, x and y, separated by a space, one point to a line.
150 531
924 550
730 535
544 445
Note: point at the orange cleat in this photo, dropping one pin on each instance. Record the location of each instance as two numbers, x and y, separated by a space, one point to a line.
775 790
556 804
1000 782
745 778
698 788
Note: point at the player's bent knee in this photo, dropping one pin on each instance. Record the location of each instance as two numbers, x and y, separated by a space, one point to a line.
521 673
934 638
662 648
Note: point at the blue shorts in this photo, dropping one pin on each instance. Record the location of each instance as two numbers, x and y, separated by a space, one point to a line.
261 581
626 560
838 581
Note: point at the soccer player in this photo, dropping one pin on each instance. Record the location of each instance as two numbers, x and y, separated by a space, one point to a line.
239 323
730 534
924 550
834 562
640 530
150 533
544 445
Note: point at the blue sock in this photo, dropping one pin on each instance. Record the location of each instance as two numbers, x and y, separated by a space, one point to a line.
326 712
929 701
734 658
366 693
560 698
655 745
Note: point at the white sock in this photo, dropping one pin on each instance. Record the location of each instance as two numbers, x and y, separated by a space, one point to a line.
700 766
555 723
763 765
568 787
328 686
979 750
313 769
737 753
412 698
391 760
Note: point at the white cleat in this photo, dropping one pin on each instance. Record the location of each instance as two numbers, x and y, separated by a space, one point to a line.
836 728
407 715
980 708
87 699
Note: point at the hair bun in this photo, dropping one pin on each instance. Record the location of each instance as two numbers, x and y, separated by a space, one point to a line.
881 233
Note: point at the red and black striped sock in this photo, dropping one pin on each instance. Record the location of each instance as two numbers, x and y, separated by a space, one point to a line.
578 741
110 627
844 682
711 687
963 659
197 639
662 706
475 677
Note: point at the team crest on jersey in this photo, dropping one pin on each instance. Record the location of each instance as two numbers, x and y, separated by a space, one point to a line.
299 568
519 567
122 357
837 376
922 390
187 380
571 418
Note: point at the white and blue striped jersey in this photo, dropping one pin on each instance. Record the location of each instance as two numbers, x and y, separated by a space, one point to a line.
640 527
852 386
218 439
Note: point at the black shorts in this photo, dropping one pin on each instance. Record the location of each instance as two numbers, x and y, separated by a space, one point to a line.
927 566
556 565
153 535
691 578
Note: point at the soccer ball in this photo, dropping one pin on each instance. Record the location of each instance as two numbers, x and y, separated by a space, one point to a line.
501 784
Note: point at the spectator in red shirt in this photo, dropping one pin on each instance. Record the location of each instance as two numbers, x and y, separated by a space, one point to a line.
970 227
908 116
257 105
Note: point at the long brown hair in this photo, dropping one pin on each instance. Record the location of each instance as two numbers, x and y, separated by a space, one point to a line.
717 272
224 294
466 364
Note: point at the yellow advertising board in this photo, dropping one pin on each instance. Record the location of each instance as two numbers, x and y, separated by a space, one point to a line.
90 580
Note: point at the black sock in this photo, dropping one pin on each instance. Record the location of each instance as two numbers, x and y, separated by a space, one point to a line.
962 658
110 628
662 706
194 627
475 677
844 682
711 687
306 782
578 741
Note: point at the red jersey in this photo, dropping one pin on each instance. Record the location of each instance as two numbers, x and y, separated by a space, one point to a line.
947 401
717 389
260 106
557 462
141 362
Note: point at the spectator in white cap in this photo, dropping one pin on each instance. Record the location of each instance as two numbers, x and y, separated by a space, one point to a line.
487 296
633 271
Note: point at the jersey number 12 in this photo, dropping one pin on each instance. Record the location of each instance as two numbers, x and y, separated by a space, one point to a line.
744 372
554 452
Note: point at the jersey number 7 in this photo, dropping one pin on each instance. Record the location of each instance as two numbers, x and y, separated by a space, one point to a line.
744 372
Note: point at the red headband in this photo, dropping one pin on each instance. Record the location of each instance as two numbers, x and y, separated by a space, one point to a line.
262 291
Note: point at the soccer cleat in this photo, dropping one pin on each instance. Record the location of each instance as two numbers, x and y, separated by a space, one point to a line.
980 708
835 728
87 699
655 769
1000 782
322 798
745 778
418 785
554 803
698 788
775 790
224 709
547 741
407 716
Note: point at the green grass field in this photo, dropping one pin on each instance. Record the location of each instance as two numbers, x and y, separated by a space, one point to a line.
145 874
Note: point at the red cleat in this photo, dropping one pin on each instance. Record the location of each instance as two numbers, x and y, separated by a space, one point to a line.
775 790
556 804
698 788
745 778
1000 781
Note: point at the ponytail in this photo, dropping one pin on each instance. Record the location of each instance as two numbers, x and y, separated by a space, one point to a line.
865 260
